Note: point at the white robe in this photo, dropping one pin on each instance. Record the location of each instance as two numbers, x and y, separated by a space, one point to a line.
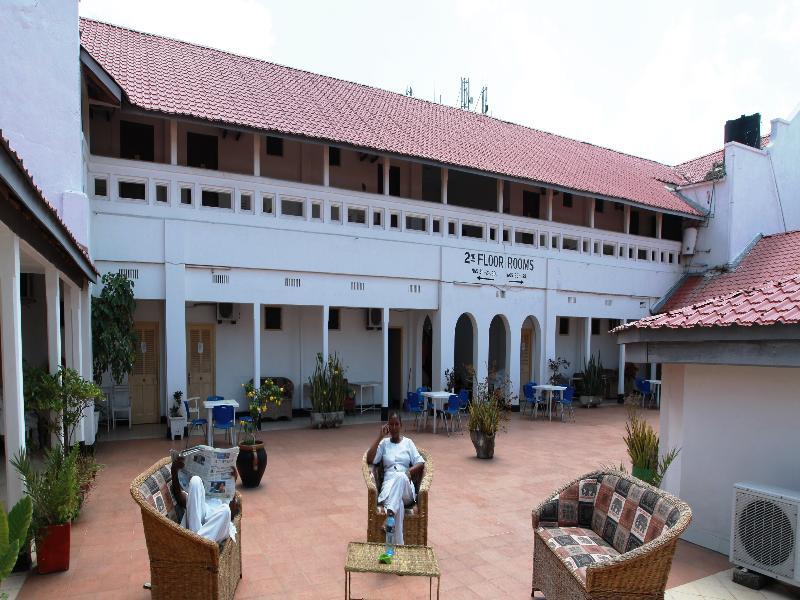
210 519
397 489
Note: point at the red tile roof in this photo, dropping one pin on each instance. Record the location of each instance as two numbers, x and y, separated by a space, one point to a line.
4 143
178 78
773 257
695 170
768 304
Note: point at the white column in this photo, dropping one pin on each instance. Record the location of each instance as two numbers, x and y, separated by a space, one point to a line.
52 295
326 165
11 344
592 202
325 314
256 155
385 361
256 344
587 340
89 432
444 185
500 195
549 200
659 224
627 217
386 164
621 377
173 142
175 326
514 341
444 332
549 328
481 340
652 370
75 340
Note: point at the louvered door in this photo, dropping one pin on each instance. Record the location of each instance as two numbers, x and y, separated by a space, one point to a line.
200 360
143 380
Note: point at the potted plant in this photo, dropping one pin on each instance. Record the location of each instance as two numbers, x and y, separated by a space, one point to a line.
54 492
554 365
451 380
14 534
177 416
328 389
252 459
488 413
593 382
642 442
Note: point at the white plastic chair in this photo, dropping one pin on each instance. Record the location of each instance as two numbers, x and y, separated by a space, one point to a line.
121 404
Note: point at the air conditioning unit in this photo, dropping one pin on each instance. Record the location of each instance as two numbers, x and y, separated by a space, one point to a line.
374 318
227 312
765 530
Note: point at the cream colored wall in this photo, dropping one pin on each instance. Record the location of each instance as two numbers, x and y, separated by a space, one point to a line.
104 133
234 156
610 219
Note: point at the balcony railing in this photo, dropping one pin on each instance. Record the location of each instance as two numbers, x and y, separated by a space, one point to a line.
191 193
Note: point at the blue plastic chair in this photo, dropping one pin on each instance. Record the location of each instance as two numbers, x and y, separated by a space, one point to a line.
643 387
196 423
529 395
565 403
415 406
463 397
452 412
223 419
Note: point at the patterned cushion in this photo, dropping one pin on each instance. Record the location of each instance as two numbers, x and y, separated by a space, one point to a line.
157 491
627 515
577 547
572 507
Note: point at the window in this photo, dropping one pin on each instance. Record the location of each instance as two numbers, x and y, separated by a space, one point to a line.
316 210
215 199
506 235
595 326
431 183
608 249
394 221
436 226
567 200
266 204
543 240
245 202
132 190
569 244
530 204
186 195
599 205
377 217
493 234
272 317
136 141
335 213
524 237
292 208
201 150
641 254
162 193
416 223
100 186
563 325
274 146
334 157
356 215
334 319
451 227
471 231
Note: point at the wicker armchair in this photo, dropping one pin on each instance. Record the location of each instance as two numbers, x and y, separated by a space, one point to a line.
606 535
415 523
183 564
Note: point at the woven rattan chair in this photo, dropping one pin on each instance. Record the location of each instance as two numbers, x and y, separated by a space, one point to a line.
415 523
183 564
606 535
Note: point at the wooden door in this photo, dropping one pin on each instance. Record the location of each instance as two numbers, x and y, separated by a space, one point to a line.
200 360
143 381
525 356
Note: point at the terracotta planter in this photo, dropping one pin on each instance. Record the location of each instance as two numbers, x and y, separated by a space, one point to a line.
251 463
590 400
484 444
52 550
326 419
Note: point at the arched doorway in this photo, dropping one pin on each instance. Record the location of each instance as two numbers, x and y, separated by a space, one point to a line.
498 350
464 350
426 357
529 351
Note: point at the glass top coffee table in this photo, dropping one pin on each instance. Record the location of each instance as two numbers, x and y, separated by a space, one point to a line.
414 561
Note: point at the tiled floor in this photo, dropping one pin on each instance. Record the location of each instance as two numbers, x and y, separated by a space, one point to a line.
312 502
720 586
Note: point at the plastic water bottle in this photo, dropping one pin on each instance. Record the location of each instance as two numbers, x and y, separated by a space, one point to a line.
390 534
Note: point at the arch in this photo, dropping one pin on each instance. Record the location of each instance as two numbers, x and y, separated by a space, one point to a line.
426 352
465 349
532 354
499 349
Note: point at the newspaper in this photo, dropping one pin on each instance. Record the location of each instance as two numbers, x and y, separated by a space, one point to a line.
214 466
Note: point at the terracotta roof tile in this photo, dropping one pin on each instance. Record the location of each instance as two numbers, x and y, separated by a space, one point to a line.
695 170
178 78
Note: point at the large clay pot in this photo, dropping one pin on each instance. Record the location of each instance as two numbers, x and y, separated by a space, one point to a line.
484 444
321 420
251 463
588 401
52 550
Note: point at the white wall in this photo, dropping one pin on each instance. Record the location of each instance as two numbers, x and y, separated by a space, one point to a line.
784 150
732 424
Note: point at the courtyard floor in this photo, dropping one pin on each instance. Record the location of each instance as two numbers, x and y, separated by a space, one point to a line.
311 502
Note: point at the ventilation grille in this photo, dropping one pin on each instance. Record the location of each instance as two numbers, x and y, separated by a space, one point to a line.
291 282
415 288
129 273
357 286
764 533
221 279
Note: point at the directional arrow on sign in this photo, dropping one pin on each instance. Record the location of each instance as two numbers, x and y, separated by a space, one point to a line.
485 278
515 281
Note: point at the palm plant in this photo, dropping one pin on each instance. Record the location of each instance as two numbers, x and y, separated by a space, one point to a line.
643 443
593 377
328 385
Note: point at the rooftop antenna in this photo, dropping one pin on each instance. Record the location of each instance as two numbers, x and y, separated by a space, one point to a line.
466 100
484 100
409 91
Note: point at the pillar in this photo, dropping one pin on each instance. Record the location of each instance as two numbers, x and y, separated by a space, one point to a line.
89 431
627 216
256 156
386 165
514 341
326 165
11 347
652 370
444 333
53 298
257 344
587 340
175 326
549 327
500 195
659 224
325 314
549 200
592 203
385 360
621 376
481 340
173 142
444 185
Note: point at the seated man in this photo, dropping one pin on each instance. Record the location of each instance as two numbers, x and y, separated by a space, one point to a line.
210 518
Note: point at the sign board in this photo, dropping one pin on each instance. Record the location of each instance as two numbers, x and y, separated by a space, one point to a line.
491 268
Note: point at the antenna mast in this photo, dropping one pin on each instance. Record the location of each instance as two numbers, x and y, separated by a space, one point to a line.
484 100
466 101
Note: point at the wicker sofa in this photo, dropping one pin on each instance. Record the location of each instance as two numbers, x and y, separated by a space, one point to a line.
606 535
183 564
415 523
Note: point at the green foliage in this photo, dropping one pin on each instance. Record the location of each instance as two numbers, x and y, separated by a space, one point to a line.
642 442
258 403
554 365
86 469
593 377
113 338
328 388
54 489
13 533
175 409
488 410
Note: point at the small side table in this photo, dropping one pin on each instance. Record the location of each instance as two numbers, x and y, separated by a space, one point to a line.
413 561
176 426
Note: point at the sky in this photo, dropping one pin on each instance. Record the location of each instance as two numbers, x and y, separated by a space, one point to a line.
652 79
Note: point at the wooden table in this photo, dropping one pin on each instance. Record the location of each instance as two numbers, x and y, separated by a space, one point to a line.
550 389
413 561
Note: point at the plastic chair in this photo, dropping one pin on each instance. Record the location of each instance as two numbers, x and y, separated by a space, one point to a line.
565 403
451 412
643 387
121 403
222 417
529 395
463 397
192 407
416 406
